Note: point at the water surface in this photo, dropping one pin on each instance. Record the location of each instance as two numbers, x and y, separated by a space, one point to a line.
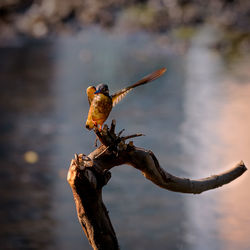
196 119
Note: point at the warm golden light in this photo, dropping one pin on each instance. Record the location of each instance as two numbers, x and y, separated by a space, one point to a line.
234 202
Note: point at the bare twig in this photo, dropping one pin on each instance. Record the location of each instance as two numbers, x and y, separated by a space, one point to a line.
131 136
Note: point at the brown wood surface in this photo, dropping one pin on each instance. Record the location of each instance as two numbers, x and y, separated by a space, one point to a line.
88 174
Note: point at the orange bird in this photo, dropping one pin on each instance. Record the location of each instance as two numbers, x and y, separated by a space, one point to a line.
101 102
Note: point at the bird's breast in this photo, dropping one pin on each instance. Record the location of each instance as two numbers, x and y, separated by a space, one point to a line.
101 106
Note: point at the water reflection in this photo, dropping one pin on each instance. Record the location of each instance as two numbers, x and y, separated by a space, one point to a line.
233 125
187 116
200 138
26 124
215 135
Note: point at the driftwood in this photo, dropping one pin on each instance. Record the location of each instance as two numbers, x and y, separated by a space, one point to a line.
88 174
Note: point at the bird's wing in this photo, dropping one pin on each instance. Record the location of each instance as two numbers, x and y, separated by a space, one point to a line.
90 93
118 96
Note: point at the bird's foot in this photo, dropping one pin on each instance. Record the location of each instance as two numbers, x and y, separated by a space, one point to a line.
95 124
98 126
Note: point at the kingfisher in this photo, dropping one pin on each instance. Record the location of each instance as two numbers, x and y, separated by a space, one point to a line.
101 102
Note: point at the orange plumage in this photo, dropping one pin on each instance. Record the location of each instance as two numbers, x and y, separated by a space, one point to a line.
101 102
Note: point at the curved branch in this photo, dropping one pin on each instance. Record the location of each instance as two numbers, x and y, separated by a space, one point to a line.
147 163
88 174
118 152
153 171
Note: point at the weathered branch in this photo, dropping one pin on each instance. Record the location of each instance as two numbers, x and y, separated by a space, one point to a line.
88 174
86 184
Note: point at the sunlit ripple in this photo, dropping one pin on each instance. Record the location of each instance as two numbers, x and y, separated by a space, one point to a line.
199 138
234 202
215 137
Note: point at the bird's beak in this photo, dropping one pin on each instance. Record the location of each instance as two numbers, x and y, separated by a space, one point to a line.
97 91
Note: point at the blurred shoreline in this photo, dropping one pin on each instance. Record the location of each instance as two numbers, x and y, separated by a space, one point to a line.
175 20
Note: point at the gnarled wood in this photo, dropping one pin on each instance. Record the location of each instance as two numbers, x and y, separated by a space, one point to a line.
88 174
86 184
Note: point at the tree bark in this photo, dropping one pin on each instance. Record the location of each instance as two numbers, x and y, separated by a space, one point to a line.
86 184
88 174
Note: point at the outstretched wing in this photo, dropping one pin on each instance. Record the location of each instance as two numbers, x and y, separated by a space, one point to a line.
118 96
90 93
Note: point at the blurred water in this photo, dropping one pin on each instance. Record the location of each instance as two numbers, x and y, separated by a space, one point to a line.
196 119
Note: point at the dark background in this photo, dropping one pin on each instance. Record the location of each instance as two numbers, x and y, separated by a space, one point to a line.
196 118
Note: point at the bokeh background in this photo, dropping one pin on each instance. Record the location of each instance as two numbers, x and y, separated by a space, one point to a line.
196 118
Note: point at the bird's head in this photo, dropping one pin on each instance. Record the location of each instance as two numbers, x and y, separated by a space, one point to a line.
102 88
